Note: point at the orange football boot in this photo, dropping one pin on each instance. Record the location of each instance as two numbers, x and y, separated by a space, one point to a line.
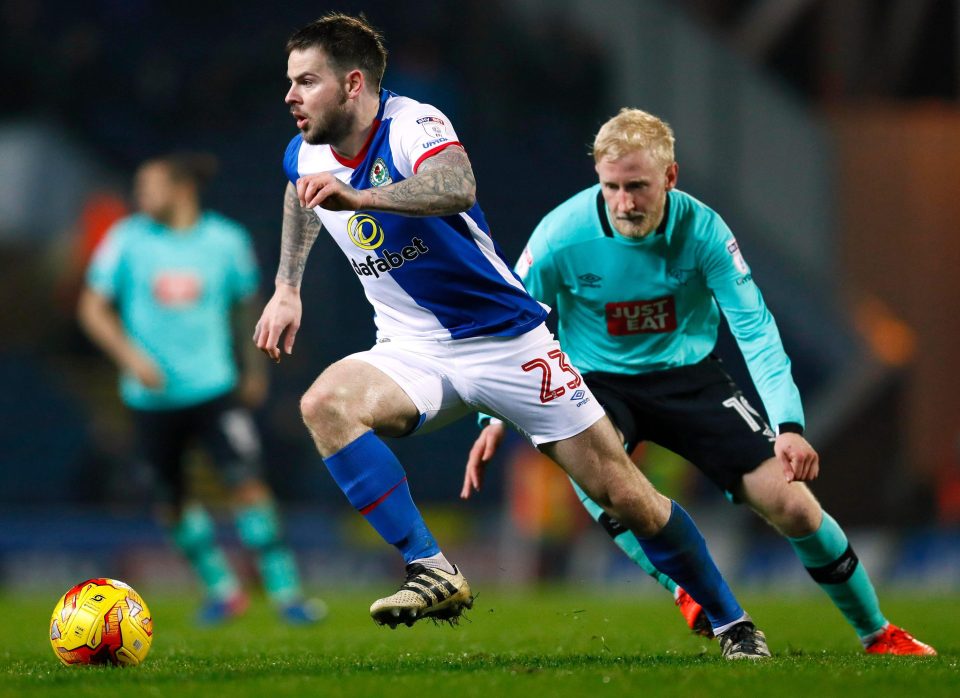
693 613
894 640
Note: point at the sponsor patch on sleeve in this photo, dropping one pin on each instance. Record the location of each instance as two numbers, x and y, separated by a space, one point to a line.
738 261
524 263
433 126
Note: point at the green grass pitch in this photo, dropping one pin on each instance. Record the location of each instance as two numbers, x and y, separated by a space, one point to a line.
536 644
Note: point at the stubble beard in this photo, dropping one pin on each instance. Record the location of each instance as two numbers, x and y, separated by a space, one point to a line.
334 128
639 228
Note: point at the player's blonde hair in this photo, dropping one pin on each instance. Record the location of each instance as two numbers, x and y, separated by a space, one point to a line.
631 130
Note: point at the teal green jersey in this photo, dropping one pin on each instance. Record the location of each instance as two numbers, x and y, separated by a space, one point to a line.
174 290
641 305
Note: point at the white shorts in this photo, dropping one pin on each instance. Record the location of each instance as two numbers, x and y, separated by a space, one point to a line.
526 381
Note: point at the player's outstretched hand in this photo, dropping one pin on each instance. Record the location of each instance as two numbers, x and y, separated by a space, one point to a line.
800 461
325 190
483 449
280 317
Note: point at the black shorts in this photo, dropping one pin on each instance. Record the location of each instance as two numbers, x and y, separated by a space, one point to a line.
223 428
696 411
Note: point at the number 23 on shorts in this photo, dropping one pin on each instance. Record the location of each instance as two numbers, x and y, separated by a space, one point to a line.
548 393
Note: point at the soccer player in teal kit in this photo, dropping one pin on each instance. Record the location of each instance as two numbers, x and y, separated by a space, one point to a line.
638 273
160 293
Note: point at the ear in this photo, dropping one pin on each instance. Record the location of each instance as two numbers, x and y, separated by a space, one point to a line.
673 171
353 83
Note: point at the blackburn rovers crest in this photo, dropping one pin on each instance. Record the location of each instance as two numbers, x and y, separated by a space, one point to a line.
379 174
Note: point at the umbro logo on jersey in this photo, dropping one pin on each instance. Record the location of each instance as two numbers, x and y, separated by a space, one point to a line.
591 280
388 261
430 144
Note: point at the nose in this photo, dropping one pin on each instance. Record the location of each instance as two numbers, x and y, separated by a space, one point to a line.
292 97
624 201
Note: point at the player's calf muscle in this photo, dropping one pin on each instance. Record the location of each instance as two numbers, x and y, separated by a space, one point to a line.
625 494
644 514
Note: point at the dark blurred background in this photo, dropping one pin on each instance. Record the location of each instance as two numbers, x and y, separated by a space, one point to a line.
827 134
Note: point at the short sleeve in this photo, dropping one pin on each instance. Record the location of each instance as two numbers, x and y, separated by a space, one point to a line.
106 266
291 159
418 132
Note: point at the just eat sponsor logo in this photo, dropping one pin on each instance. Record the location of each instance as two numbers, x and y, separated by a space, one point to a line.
642 317
177 288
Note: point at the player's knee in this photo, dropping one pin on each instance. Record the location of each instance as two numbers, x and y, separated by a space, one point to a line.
324 408
796 516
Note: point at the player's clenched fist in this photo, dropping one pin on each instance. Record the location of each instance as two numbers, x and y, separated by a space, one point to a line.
799 459
325 190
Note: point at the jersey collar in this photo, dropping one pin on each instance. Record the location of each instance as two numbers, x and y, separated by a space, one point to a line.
354 162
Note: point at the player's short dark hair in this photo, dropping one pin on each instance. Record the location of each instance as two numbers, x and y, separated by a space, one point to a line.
196 168
349 42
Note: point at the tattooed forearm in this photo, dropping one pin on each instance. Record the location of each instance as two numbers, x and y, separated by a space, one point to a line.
300 228
444 185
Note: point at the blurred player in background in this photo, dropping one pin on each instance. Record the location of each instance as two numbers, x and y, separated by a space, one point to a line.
638 273
388 179
165 292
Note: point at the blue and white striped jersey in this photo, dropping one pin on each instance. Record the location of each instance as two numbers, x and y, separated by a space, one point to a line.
441 276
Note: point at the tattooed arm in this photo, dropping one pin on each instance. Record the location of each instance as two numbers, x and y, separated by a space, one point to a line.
281 316
444 185
298 233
